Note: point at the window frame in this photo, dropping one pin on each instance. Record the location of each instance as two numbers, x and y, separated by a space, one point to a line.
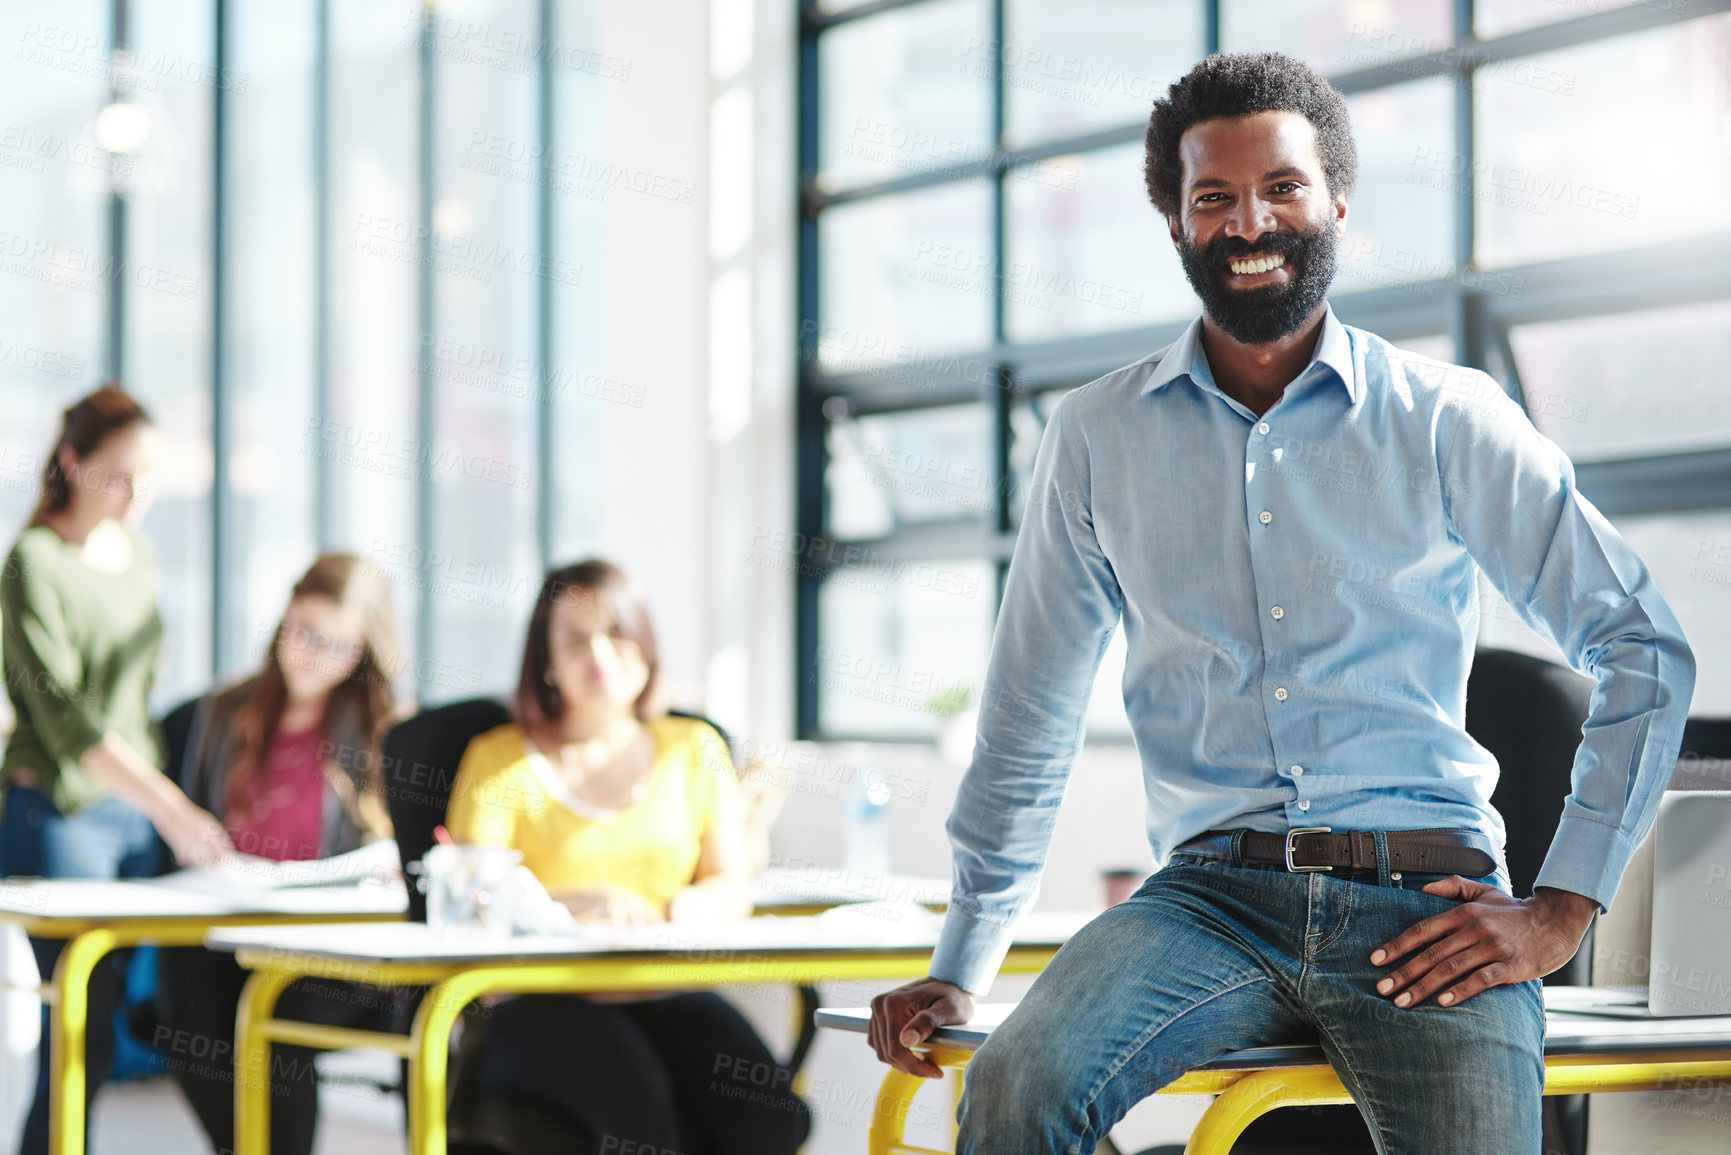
1478 322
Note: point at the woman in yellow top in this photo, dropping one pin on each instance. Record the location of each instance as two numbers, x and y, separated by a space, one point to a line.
626 815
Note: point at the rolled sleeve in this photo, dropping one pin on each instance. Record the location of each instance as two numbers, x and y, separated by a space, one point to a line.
1061 603
1512 499
970 949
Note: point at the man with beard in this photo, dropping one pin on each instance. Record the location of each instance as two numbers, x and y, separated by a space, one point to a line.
1289 516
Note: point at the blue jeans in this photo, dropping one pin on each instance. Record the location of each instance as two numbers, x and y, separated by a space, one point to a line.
107 839
1210 957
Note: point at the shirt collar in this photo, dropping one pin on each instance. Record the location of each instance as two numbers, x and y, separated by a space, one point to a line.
1185 358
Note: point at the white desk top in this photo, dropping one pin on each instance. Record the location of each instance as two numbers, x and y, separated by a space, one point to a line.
1565 1034
112 901
164 898
844 930
832 886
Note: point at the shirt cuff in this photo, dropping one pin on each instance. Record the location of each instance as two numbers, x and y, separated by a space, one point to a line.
970 951
1586 857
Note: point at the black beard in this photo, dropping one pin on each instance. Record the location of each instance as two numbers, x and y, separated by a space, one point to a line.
1268 312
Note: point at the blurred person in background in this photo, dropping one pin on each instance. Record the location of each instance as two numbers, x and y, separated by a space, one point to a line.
289 759
627 816
83 796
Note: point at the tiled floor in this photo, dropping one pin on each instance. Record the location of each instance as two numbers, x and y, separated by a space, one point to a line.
151 1118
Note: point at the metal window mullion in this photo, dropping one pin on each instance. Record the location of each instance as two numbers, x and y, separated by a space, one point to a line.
119 37
1002 396
1511 368
324 502
811 425
819 20
423 364
544 293
1469 325
221 448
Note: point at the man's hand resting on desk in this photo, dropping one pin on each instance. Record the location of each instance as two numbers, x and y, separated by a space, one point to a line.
908 1015
1489 939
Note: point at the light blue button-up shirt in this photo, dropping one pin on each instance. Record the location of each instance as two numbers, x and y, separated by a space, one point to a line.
1299 597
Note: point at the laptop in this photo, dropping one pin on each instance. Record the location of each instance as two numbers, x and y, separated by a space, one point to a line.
1689 958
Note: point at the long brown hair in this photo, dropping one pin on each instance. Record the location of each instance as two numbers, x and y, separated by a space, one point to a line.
362 707
84 426
537 703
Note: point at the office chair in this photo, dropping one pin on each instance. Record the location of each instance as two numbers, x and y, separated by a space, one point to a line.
418 769
1705 760
176 733
1528 713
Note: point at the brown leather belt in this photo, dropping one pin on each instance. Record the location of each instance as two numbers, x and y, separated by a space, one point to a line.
1306 848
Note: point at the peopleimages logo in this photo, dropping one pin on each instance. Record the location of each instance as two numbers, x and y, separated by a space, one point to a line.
330 437
139 69
40 360
398 239
81 269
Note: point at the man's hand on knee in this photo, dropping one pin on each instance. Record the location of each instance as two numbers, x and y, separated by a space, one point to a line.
1490 939
908 1015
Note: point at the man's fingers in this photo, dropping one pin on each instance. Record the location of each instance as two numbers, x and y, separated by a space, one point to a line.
878 1033
894 1038
907 1016
1491 975
1460 970
920 1027
1448 962
917 1030
1454 886
1417 935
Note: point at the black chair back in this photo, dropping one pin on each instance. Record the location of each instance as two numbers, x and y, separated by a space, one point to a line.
1528 713
1705 761
176 735
421 756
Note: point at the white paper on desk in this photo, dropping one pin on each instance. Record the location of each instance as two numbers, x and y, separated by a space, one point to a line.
242 873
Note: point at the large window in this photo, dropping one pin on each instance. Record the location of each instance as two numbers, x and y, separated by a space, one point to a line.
975 240
345 252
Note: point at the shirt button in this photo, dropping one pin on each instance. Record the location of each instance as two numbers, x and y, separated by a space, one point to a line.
1280 694
1297 770
1277 613
1305 805
1262 428
1265 517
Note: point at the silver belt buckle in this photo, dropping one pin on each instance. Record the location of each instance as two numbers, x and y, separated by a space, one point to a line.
1294 833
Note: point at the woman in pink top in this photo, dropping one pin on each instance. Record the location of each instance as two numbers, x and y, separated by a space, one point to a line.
289 760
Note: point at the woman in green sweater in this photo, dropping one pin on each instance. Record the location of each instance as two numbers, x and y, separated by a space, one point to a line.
79 636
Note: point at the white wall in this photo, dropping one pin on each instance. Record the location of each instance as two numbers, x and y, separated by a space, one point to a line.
654 458
709 457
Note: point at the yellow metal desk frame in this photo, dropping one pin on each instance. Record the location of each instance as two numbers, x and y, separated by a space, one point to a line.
455 985
88 941
1244 1094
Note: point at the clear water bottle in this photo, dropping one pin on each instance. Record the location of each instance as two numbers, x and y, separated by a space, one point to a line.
866 834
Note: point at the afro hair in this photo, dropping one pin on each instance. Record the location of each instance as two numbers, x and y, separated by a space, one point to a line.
1239 85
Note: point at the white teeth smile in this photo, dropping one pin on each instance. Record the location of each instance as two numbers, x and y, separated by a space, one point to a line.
1259 265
